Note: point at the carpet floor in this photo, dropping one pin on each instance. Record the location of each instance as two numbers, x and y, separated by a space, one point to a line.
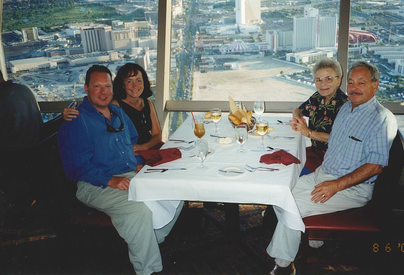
195 246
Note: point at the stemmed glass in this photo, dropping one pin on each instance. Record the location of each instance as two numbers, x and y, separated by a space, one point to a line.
201 150
259 107
241 136
199 128
262 129
216 115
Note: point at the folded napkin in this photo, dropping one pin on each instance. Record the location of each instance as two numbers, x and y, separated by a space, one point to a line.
280 156
156 157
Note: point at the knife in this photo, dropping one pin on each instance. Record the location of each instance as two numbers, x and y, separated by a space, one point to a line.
181 140
158 169
229 171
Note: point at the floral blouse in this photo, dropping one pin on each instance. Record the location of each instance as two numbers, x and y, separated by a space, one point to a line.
321 116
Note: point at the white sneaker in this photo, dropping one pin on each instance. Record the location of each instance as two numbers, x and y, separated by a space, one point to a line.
316 244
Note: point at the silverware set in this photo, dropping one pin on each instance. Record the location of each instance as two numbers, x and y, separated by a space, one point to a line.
186 148
253 169
162 170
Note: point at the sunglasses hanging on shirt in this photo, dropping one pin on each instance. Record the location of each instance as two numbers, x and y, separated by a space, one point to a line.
111 129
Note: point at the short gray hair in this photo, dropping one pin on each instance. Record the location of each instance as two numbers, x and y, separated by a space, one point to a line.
326 63
373 70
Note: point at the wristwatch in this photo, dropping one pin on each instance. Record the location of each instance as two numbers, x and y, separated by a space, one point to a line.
309 134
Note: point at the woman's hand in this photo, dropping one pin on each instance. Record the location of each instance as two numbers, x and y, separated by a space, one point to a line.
300 125
70 113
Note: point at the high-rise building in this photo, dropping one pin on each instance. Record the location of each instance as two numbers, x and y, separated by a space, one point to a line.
248 12
95 39
312 31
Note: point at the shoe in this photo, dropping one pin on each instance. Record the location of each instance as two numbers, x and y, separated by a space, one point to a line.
289 270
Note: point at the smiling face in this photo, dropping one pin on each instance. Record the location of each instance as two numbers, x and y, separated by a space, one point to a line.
133 85
360 86
99 90
327 89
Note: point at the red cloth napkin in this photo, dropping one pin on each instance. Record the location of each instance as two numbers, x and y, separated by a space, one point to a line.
156 157
280 156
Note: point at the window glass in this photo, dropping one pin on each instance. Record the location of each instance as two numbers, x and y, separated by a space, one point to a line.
250 49
49 45
376 35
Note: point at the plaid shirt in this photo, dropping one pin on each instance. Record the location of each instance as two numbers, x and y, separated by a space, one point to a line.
321 116
361 136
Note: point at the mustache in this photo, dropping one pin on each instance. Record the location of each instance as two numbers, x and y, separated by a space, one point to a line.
355 93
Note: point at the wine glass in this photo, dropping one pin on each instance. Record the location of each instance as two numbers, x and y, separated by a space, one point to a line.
241 136
259 107
201 150
216 115
199 128
262 129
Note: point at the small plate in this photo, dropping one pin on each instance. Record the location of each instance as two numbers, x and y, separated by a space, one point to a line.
240 171
225 140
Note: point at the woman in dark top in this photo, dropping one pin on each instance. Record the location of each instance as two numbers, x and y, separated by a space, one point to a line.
321 109
131 93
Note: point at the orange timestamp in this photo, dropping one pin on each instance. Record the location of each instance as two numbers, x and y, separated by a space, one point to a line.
392 247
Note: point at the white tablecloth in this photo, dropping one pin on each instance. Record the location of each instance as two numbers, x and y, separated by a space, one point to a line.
271 188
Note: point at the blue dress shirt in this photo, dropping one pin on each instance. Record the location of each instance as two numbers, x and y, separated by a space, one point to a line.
359 136
90 153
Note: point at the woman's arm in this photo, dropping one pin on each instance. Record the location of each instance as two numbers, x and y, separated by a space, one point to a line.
155 132
300 125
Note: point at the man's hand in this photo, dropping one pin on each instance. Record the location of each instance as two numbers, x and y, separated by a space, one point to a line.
70 113
324 191
121 183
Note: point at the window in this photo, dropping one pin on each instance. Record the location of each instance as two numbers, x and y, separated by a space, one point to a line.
248 49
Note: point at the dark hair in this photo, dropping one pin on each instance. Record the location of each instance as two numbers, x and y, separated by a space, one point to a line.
96 68
373 70
1 77
128 70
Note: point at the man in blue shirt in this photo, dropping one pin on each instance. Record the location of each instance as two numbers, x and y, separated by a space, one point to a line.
96 150
358 149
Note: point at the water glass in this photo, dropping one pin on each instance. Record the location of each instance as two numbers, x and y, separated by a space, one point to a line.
241 136
201 151
259 108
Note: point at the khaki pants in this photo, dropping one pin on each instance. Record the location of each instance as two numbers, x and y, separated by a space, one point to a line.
285 241
132 220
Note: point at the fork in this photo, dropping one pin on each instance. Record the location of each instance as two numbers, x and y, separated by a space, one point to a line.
253 169
186 148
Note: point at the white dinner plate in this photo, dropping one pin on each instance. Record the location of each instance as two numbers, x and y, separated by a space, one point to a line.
225 140
240 171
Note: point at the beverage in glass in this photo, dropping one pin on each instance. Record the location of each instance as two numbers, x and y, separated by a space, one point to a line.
241 136
199 128
262 129
259 107
216 115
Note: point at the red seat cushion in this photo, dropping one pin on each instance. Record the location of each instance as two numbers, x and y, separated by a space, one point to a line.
358 219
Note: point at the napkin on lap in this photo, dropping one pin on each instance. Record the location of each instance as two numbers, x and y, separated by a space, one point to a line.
156 157
280 156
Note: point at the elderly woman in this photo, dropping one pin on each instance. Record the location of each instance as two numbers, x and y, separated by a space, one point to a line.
131 92
321 109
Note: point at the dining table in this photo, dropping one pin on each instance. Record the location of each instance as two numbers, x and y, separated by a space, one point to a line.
163 191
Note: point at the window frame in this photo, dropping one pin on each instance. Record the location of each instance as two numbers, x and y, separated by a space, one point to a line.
164 105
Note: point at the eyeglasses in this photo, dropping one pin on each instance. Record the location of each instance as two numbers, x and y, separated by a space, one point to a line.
327 79
111 129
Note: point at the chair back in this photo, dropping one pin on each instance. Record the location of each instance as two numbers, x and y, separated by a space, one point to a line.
385 194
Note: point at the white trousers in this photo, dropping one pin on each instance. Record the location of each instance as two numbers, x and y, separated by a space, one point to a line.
285 241
132 220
